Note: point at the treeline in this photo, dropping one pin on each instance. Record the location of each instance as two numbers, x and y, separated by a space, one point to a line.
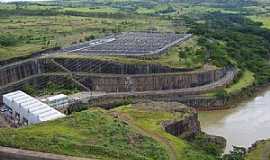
230 39
56 12
221 3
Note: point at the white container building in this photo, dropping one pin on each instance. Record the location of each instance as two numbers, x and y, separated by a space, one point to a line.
58 101
24 109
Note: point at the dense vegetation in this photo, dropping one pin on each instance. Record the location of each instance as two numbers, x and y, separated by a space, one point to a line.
51 89
230 39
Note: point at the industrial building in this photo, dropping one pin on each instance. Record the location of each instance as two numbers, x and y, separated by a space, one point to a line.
22 109
58 101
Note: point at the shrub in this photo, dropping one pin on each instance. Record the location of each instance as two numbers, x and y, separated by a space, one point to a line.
8 40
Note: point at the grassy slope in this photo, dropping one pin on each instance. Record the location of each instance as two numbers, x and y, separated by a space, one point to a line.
93 134
149 122
260 152
96 133
264 19
246 80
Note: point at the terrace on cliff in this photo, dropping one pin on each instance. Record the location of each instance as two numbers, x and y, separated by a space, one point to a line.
119 76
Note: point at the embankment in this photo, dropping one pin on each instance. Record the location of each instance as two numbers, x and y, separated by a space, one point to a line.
119 81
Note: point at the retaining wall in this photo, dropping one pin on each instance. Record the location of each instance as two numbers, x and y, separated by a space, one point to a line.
99 66
149 82
113 82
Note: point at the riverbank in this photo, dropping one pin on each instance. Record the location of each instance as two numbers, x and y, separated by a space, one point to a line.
259 151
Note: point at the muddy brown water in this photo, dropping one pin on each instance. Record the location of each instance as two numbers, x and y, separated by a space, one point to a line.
242 125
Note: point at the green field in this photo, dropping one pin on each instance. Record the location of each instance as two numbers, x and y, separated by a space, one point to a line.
62 26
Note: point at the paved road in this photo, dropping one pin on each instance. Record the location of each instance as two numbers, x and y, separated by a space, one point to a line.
226 80
19 154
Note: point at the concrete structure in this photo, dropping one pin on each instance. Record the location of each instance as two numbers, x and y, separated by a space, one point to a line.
20 154
58 101
23 109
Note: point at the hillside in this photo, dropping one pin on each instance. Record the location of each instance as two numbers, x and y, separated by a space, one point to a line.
101 134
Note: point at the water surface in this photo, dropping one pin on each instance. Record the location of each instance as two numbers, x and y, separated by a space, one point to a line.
243 125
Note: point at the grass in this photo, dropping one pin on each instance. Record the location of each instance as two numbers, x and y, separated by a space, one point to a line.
246 80
260 152
51 89
153 10
102 9
93 133
264 19
136 134
150 122
36 33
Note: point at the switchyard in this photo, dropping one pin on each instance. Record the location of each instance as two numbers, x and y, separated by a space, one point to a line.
130 44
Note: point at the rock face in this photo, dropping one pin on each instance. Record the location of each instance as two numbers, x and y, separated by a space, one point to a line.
111 77
106 76
99 66
187 128
148 82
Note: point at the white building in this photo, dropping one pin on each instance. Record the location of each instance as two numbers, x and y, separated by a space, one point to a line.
23 109
58 101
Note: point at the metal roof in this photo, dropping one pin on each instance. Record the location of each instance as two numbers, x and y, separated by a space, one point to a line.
57 97
31 106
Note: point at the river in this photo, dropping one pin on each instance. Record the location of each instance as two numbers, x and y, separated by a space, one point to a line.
242 125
